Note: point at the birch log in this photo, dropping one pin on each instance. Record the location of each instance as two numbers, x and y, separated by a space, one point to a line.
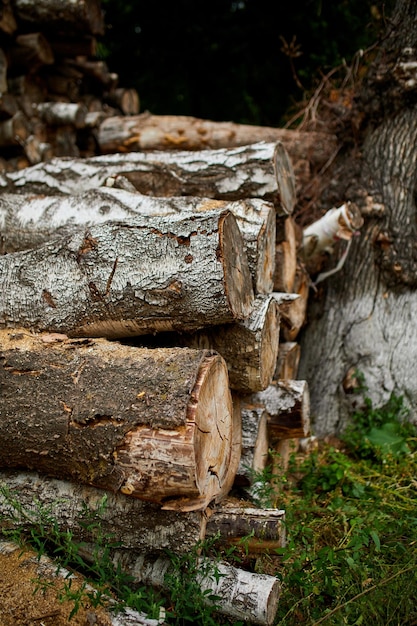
132 278
89 512
250 347
255 442
288 360
152 424
240 523
28 220
240 594
254 171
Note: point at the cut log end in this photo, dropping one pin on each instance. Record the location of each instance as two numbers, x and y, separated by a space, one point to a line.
238 279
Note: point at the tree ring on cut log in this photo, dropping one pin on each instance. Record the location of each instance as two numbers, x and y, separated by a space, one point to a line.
188 465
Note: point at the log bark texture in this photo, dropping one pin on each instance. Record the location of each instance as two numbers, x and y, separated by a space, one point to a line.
86 511
132 278
253 171
28 220
241 595
250 347
152 424
287 403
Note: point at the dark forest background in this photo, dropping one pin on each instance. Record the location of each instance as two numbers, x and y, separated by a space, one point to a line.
249 61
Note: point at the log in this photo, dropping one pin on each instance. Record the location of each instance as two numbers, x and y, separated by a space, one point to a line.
136 277
29 52
8 22
255 442
289 353
285 254
239 523
253 171
178 132
29 220
62 113
86 512
152 424
14 131
249 347
240 594
72 16
294 312
41 572
287 403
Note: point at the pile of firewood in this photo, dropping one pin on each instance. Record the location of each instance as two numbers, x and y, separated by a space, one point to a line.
153 290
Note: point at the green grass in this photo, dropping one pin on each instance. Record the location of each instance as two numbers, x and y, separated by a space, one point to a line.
351 553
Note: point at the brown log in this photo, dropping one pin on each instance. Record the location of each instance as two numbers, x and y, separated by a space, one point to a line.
14 131
8 105
285 254
29 52
73 16
173 132
3 72
289 353
68 46
8 22
28 220
151 424
287 403
249 347
252 171
293 313
170 273
127 100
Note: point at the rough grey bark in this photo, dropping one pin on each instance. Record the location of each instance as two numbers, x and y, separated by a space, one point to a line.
29 220
252 171
366 320
131 278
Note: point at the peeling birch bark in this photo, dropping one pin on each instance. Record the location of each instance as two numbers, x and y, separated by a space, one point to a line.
153 424
132 278
28 220
255 442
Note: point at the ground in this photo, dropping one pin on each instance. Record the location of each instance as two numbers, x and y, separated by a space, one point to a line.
21 604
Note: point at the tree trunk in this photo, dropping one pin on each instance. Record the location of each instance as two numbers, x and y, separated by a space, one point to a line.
256 171
132 278
366 311
28 220
91 411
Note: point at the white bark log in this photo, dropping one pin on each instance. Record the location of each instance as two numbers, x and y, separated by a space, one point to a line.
28 220
224 174
287 403
242 595
132 278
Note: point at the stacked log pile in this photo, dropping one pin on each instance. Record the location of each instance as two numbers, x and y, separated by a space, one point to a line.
152 295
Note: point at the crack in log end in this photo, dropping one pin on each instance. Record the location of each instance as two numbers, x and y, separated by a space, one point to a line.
47 296
88 244
110 279
22 372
